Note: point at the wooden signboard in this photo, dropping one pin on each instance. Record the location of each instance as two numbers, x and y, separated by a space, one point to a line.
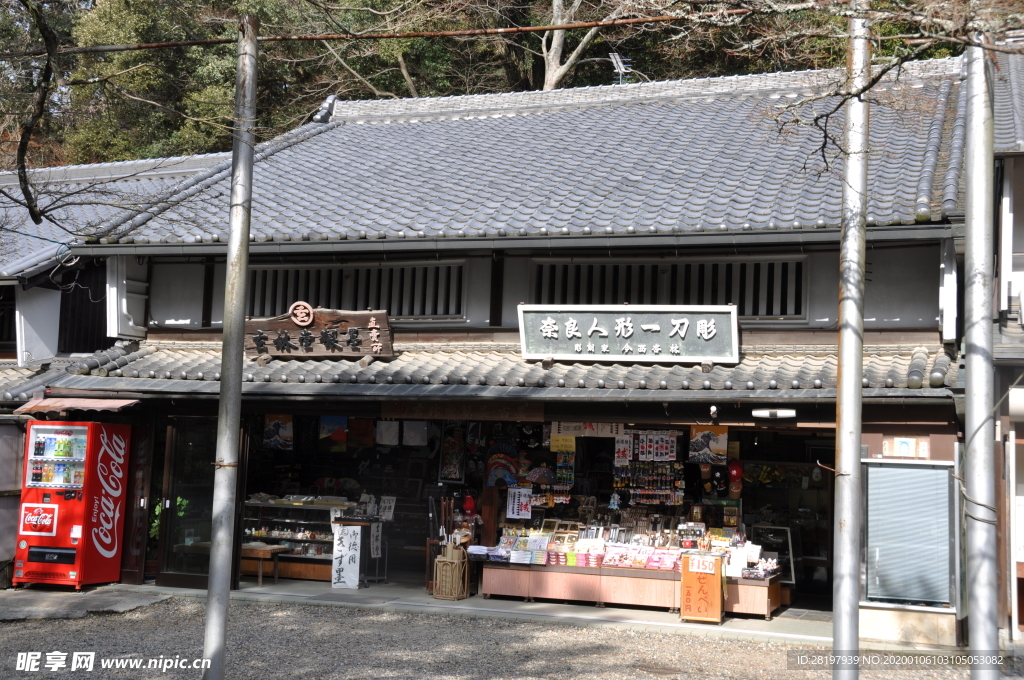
318 333
701 596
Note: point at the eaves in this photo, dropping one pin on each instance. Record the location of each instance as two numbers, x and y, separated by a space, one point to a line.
373 246
142 388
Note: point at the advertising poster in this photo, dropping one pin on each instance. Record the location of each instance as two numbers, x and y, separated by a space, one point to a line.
334 433
709 444
277 432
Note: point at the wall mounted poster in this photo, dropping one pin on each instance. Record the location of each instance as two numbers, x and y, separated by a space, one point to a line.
709 444
518 505
904 447
277 432
334 433
345 566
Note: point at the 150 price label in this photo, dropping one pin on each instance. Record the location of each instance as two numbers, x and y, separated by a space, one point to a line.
704 565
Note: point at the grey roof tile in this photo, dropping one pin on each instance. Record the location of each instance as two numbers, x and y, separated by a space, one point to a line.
758 369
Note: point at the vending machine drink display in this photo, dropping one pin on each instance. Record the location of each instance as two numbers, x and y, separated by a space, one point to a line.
73 503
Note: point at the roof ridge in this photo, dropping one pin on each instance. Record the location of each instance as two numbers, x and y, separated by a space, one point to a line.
368 109
203 180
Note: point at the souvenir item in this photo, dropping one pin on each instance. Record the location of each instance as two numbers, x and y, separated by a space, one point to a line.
705 471
735 471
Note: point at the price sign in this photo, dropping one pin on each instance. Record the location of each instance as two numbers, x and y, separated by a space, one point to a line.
703 565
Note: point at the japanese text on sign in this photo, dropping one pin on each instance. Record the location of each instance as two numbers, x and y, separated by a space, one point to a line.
518 505
345 563
659 333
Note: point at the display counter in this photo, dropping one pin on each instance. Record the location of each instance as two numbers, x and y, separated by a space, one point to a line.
753 596
601 585
616 585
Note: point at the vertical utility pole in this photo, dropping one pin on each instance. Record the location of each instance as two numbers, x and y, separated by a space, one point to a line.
982 595
230 410
849 493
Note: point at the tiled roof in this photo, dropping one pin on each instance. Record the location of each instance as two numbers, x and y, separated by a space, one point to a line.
18 383
82 198
1008 91
664 158
153 368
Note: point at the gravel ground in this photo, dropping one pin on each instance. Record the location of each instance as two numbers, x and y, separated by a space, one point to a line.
312 643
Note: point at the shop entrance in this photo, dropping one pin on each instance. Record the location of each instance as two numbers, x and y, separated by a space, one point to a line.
186 503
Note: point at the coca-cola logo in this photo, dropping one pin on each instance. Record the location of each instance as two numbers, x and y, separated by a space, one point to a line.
110 470
39 519
36 518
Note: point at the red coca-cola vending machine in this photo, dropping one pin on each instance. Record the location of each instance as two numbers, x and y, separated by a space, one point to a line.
73 503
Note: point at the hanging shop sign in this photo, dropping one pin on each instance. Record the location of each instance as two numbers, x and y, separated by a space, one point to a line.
317 333
628 333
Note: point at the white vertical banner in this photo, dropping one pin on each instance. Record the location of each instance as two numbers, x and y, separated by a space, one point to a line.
623 450
375 540
672 443
345 567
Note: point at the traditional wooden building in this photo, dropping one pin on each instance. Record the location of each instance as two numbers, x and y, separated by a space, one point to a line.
457 218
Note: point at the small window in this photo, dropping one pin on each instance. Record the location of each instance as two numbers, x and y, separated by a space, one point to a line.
414 291
761 289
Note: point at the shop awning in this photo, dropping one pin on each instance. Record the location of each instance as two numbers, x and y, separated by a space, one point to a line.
45 405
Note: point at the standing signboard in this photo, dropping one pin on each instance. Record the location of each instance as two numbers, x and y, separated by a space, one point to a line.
701 596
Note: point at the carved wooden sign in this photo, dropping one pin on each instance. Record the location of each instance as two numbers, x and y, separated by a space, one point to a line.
318 333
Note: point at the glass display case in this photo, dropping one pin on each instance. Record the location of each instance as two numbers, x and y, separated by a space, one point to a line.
779 540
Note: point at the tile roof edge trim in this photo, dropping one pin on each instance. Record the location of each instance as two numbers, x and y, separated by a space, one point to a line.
149 167
353 247
130 388
207 178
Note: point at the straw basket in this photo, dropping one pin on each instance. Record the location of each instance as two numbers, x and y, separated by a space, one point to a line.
451 575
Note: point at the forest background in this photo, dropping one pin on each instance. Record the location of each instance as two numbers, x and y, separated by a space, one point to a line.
178 101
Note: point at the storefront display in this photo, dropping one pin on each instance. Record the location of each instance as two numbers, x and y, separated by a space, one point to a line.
602 502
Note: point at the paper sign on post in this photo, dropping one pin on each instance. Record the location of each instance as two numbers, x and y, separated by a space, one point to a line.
375 535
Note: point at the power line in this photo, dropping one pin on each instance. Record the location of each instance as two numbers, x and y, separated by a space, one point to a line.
469 32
